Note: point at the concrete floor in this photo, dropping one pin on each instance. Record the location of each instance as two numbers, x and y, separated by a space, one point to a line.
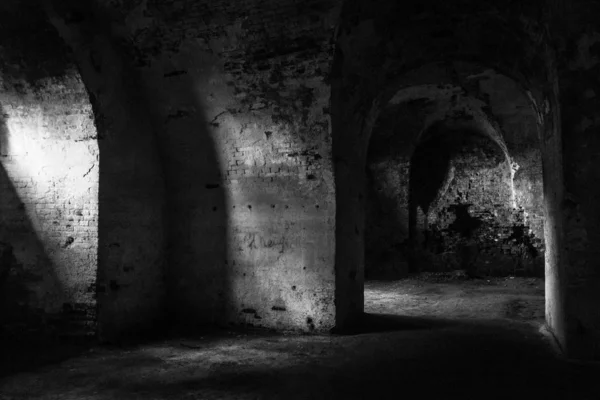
423 338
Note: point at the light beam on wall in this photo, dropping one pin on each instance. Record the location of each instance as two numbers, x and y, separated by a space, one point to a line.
50 155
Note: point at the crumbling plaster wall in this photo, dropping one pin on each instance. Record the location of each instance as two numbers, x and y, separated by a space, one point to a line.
516 117
376 49
482 100
467 169
240 111
510 37
527 40
48 182
130 283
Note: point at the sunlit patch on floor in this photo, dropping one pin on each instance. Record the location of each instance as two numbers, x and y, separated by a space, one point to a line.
414 331
488 298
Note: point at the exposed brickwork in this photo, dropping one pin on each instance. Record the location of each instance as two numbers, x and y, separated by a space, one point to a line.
502 242
388 50
239 104
218 153
49 184
285 161
519 41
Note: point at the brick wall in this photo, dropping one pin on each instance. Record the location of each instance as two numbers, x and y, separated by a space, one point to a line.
49 183
505 245
237 94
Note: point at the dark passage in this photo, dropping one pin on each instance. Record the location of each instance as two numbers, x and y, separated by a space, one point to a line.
299 199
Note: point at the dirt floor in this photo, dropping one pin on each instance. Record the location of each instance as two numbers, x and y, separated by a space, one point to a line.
428 337
453 296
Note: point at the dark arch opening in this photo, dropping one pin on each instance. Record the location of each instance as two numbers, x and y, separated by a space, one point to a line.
352 195
463 214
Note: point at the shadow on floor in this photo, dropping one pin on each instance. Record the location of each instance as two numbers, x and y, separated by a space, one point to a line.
29 353
474 360
471 361
374 323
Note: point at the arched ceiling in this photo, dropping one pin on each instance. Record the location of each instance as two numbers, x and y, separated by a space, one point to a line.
461 96
395 37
